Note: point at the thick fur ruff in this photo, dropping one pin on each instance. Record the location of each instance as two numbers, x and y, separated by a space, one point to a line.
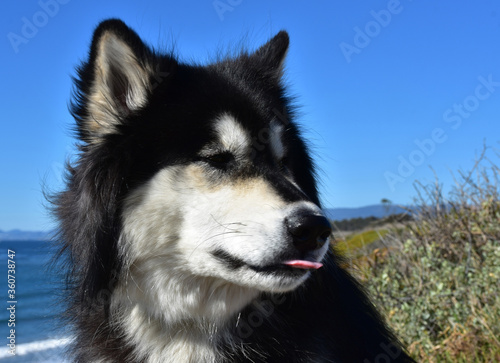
191 224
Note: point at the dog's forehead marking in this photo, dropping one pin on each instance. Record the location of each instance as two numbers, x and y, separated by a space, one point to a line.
232 136
235 138
276 139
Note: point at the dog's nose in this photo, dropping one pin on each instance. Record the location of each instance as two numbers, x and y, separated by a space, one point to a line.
308 231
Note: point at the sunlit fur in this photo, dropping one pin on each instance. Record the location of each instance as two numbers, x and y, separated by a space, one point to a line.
175 221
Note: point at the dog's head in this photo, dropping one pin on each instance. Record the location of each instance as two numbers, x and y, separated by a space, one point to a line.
200 170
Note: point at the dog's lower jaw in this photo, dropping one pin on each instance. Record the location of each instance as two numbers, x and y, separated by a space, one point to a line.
192 334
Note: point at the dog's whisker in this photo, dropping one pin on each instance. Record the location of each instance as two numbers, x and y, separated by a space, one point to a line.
205 240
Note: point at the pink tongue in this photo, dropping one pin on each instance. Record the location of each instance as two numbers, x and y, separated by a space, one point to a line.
303 264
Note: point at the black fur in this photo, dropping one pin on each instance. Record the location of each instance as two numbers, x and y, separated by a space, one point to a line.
328 319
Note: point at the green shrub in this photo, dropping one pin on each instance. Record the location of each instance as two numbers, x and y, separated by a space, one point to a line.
438 283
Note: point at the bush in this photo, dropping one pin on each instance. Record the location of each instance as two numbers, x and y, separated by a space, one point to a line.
438 283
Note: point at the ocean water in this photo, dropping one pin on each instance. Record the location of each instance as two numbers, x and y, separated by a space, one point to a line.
39 336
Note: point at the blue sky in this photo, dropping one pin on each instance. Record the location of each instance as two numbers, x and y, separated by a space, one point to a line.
387 88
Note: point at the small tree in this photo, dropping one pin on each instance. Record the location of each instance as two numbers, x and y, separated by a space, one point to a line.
387 205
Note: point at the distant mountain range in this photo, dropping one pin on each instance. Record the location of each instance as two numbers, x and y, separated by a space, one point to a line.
336 214
377 210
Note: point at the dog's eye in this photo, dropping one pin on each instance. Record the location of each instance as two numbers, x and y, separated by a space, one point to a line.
219 160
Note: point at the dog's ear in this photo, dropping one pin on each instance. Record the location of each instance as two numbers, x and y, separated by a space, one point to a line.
115 81
271 55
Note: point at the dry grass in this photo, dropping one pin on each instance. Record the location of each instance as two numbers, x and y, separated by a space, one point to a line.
354 243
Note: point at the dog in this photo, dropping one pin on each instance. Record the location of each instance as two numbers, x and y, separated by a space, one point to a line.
190 223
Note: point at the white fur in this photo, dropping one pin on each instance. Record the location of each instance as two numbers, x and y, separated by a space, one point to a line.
232 136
